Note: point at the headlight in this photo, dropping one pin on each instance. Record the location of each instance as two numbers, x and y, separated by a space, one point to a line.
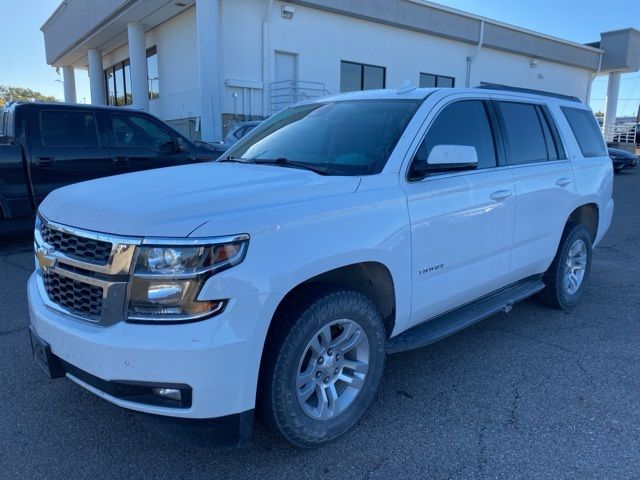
168 277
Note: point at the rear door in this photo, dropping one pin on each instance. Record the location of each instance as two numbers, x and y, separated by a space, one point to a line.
67 145
544 183
461 221
140 142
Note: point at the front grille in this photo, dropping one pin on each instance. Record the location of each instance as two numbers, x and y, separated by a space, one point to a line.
81 248
77 297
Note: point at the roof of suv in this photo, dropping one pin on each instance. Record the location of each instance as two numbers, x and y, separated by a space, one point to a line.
12 105
408 93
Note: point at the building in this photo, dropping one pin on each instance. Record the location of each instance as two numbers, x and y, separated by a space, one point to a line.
202 65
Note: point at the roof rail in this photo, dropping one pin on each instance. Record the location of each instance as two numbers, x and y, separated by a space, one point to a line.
507 88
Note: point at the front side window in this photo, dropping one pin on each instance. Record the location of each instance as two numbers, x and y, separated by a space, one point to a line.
60 128
524 137
344 138
585 128
357 76
140 132
462 123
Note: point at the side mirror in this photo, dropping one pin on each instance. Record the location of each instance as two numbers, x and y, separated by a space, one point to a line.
179 145
444 158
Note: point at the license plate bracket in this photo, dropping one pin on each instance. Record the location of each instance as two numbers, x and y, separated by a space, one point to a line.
44 358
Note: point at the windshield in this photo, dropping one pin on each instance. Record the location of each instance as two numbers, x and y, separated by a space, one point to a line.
343 138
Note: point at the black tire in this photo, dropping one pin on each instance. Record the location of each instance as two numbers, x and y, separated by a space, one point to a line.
296 325
555 293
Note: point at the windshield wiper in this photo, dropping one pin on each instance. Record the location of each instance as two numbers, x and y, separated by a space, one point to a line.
285 162
232 159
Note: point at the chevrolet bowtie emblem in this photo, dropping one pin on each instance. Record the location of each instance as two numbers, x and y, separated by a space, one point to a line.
44 260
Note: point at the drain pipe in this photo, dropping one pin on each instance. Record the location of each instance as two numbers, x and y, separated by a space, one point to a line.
265 60
593 77
472 57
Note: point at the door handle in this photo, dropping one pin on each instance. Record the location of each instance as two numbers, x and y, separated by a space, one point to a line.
501 195
563 182
121 161
45 162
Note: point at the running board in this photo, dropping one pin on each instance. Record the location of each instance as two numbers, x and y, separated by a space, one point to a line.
455 320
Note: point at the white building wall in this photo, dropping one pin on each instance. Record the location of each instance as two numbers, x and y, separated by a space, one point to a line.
175 40
321 40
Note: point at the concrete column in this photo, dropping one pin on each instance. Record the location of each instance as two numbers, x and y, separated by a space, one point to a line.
209 65
69 79
611 108
96 77
138 59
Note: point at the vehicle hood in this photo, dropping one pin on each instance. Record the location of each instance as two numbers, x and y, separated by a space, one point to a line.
174 202
621 153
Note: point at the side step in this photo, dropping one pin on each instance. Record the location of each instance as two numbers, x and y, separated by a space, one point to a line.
455 320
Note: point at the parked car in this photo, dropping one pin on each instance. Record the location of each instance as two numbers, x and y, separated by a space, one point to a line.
341 230
44 146
622 159
238 131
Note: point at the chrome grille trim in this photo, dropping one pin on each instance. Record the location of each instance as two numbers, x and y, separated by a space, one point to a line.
82 248
112 277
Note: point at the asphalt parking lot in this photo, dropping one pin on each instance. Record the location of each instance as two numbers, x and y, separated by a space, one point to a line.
536 393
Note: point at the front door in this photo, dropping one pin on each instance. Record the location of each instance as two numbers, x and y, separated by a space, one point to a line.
284 91
141 143
461 222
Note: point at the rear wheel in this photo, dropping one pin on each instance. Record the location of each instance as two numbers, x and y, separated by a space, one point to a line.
323 367
566 278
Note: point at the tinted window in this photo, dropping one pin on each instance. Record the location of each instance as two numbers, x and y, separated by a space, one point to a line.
524 137
140 132
346 138
429 80
462 123
585 128
68 129
357 76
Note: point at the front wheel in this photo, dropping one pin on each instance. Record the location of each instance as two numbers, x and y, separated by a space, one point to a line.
566 278
323 367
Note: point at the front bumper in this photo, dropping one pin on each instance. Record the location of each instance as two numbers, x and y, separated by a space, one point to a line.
218 358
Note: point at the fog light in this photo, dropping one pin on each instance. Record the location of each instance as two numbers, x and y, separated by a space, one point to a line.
170 393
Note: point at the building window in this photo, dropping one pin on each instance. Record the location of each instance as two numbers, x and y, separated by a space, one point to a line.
152 73
429 80
118 84
118 80
357 76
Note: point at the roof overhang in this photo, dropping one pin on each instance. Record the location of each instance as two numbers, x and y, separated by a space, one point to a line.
621 50
433 19
78 25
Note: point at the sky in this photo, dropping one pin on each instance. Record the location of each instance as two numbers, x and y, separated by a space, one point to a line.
24 65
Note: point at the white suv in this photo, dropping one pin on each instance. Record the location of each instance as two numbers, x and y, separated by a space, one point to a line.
338 231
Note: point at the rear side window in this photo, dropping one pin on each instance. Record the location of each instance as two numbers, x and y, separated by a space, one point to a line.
524 136
61 128
462 123
585 128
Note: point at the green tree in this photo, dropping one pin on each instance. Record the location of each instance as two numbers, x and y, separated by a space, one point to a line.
13 94
599 114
